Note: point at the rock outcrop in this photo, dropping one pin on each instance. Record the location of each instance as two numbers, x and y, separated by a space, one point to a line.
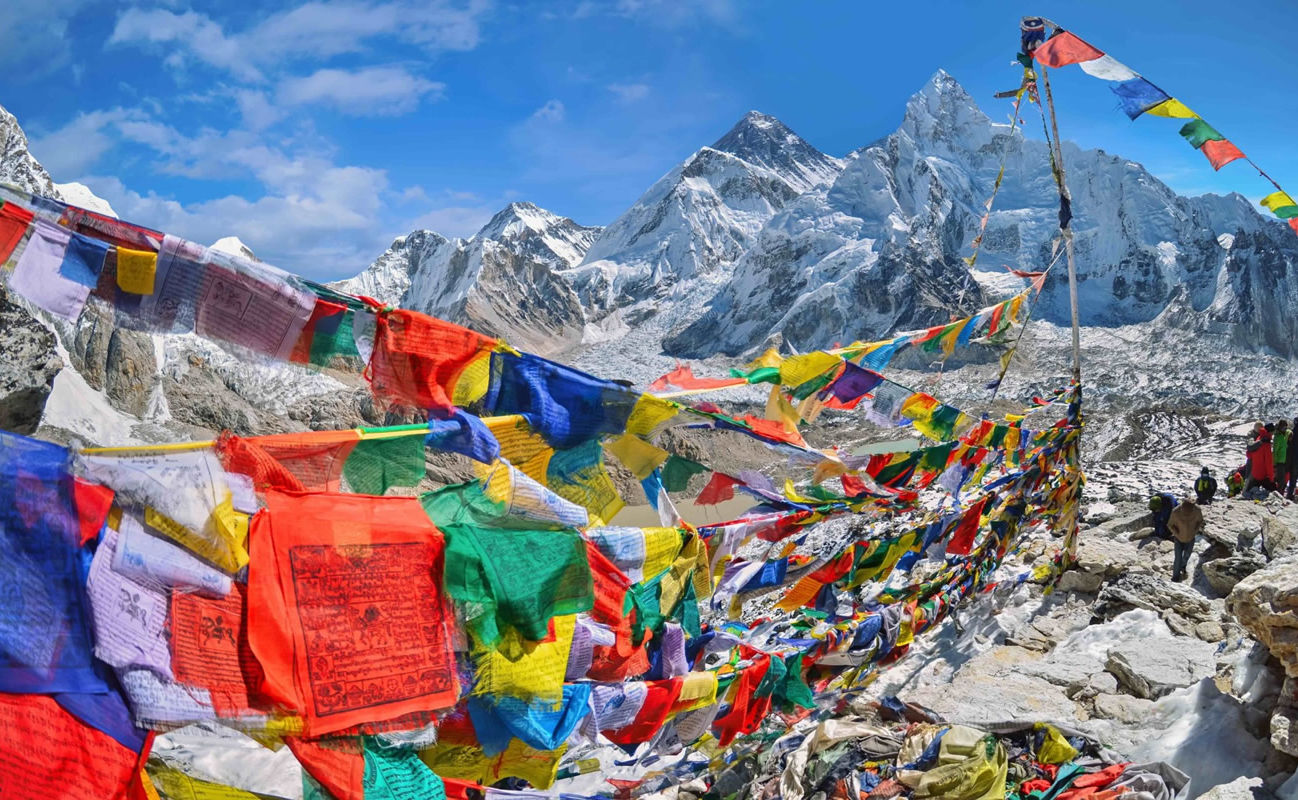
27 369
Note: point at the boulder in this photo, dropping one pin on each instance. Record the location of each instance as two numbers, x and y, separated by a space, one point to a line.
130 371
1153 592
1266 604
1210 631
1151 670
1280 533
1222 574
1284 720
1105 557
1076 580
1122 708
1239 789
27 369
1234 523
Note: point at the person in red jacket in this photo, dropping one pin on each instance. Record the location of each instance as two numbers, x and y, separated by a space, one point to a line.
1261 468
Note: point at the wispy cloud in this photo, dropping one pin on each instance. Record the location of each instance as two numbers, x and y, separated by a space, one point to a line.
629 92
37 38
313 31
379 91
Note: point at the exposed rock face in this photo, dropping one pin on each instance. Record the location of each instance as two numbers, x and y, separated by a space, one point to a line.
1152 672
117 361
503 281
1155 593
1223 573
1266 604
27 369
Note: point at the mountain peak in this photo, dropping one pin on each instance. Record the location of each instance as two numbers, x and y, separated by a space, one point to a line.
942 111
764 141
551 239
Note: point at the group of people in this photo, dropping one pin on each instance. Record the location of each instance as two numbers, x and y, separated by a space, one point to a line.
1271 464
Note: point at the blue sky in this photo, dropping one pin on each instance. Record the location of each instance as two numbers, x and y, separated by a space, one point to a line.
317 131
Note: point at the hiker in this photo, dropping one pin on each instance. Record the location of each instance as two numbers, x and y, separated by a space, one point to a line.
1261 468
1291 466
1161 505
1280 454
1206 487
1185 523
1235 482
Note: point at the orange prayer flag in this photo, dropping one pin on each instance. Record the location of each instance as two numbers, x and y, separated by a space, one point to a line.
347 612
1220 152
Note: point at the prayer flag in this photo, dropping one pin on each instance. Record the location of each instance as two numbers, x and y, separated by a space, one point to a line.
136 270
14 222
418 360
1063 49
677 471
1196 132
346 614
1281 204
83 260
1220 153
963 537
565 406
1108 68
37 278
1137 96
48 753
719 489
1172 108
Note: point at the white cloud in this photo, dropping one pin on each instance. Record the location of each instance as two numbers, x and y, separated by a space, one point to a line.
369 91
257 110
77 146
37 39
314 30
629 92
552 111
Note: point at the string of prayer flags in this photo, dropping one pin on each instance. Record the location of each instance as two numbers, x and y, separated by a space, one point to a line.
565 406
352 624
683 378
1136 96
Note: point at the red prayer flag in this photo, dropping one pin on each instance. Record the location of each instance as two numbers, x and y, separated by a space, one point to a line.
346 610
658 702
209 649
1064 49
48 753
1220 152
93 504
1293 223
323 310
963 536
720 488
683 378
746 711
418 359
14 221
852 485
337 765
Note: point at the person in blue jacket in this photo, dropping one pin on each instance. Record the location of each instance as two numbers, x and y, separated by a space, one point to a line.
1160 506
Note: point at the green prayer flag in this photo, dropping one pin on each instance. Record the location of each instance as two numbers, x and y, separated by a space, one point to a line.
396 773
935 458
515 579
794 691
759 375
677 472
1196 132
333 342
376 464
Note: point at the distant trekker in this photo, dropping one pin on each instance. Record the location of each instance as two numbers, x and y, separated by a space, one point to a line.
1280 454
1291 465
1261 467
1185 523
1205 487
1160 505
1235 482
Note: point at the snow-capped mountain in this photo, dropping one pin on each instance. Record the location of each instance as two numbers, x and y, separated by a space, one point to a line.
504 280
20 168
881 247
700 217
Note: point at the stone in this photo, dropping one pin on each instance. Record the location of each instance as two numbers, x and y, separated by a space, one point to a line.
27 369
1239 789
1284 720
130 371
1210 631
1223 573
1127 523
1075 580
1266 604
1179 624
1141 533
1122 708
1280 534
1151 670
1106 557
994 687
1153 592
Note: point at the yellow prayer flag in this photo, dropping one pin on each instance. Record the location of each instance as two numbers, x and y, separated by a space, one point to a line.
136 270
637 455
649 413
1277 200
779 409
661 546
771 358
799 369
535 672
473 381
1173 109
